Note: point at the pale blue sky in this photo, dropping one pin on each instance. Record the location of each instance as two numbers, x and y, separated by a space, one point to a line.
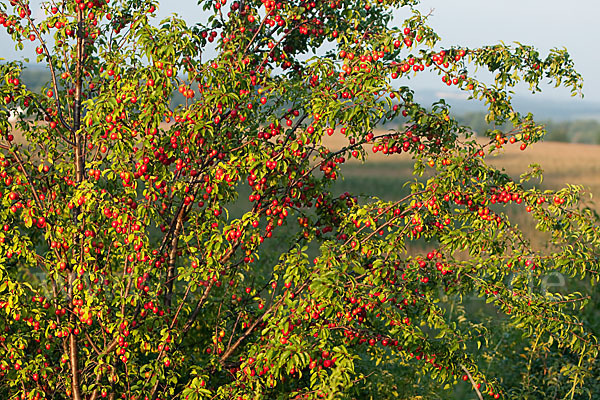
541 23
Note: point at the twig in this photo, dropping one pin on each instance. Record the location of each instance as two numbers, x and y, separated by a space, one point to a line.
472 382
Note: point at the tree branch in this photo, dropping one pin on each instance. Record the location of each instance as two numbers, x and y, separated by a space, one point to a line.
472 382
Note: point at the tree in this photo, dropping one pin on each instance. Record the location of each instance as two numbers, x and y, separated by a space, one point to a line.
151 251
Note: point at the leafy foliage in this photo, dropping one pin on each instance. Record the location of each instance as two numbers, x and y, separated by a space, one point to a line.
198 251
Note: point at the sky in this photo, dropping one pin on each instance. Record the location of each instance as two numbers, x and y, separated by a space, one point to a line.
542 23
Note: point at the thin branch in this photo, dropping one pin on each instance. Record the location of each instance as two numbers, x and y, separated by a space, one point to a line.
472 382
251 329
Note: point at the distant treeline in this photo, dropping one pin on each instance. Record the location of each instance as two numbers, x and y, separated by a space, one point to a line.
575 131
35 78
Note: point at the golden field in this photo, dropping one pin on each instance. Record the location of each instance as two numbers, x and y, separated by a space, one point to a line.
562 163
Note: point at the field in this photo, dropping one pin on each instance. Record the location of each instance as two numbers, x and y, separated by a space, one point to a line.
562 163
